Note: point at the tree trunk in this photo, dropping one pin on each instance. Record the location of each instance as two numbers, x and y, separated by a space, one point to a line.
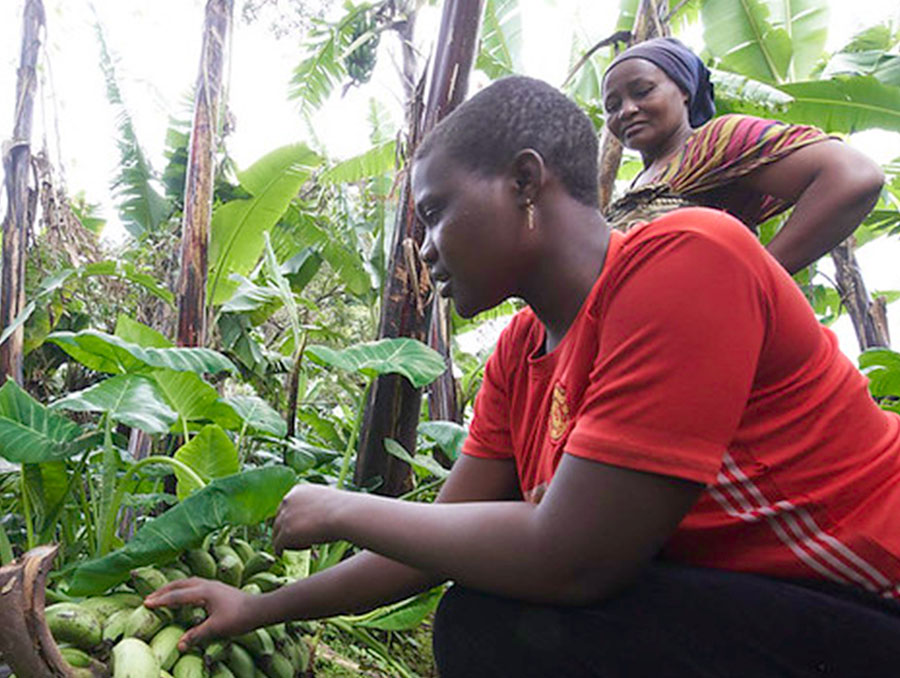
21 200
648 23
869 316
198 189
392 407
25 640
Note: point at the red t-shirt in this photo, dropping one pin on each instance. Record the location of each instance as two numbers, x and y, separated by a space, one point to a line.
696 356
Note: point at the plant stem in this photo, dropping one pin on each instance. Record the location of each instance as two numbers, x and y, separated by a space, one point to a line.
26 510
6 554
351 442
107 489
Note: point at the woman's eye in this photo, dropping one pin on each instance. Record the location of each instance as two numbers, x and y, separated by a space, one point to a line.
644 91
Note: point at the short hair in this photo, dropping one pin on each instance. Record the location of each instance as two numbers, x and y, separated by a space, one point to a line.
485 133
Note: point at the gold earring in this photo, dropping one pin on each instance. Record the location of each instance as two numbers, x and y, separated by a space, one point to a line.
529 214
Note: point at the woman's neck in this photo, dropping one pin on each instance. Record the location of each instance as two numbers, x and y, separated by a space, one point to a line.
570 262
657 157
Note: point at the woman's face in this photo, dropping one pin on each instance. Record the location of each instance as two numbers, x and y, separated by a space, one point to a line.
644 107
473 228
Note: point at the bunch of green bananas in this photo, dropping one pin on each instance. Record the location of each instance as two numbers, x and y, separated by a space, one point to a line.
361 61
132 641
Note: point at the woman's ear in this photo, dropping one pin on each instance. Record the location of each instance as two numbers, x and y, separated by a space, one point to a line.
529 175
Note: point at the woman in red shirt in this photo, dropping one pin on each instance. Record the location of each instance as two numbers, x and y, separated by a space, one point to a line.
671 469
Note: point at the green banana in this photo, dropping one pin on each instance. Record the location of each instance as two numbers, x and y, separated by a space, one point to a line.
165 645
298 652
190 616
257 642
133 658
114 625
189 666
252 589
215 651
229 566
243 549
267 581
277 666
142 623
201 563
174 573
147 579
165 674
71 623
104 606
240 662
75 657
258 562
221 671
279 634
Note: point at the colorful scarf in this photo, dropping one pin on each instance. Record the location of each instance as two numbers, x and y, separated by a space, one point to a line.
716 155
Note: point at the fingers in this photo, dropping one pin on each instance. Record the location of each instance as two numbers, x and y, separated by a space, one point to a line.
195 635
177 593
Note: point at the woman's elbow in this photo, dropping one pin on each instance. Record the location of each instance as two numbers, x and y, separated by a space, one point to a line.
862 178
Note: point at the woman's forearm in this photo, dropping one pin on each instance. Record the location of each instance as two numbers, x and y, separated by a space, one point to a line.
356 585
825 214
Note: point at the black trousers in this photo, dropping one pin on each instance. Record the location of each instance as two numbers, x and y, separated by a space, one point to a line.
674 621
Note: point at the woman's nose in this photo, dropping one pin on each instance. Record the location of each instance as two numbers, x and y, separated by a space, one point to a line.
629 107
428 251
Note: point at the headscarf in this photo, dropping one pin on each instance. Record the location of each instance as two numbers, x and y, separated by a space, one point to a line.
683 67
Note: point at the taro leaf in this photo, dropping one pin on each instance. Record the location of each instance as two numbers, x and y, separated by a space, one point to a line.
29 432
242 499
107 353
882 367
402 616
421 462
187 394
409 357
258 414
127 398
211 454
447 434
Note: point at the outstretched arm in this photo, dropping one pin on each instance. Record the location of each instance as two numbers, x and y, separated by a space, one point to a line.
833 187
360 583
593 530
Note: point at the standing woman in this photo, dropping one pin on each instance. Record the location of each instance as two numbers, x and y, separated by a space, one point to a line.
659 101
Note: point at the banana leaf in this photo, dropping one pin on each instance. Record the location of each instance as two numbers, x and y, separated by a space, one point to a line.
402 616
378 160
882 367
140 334
29 432
244 499
236 232
501 39
409 357
107 353
806 24
130 399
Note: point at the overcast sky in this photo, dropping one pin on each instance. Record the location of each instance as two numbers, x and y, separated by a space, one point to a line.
158 45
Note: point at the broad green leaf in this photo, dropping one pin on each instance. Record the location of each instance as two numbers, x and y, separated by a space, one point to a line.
844 104
236 232
130 399
501 39
739 88
258 414
128 271
211 454
242 499
187 394
141 207
742 38
806 24
137 333
447 434
882 367
409 357
403 616
877 63
421 462
29 432
251 297
378 160
881 37
107 353
47 484
49 285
